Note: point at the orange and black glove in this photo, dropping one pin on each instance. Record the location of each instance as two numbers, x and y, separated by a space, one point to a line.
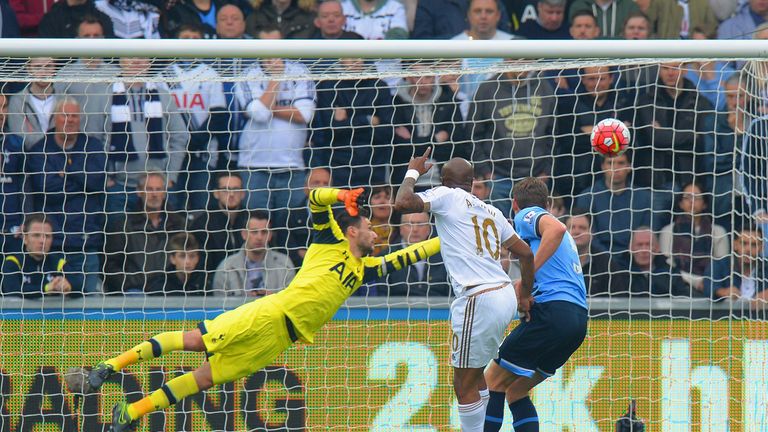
353 199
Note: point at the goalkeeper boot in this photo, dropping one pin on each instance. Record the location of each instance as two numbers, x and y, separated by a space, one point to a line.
121 421
96 377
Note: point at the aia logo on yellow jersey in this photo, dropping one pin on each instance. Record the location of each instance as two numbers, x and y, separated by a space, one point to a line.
349 280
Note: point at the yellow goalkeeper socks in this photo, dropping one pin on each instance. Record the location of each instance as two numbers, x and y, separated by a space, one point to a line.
147 350
167 395
167 342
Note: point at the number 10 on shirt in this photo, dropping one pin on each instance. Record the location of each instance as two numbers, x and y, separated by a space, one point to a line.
487 223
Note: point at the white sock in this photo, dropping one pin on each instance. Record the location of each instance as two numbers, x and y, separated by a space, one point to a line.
485 395
472 416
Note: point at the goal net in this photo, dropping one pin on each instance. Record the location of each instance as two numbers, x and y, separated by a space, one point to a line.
146 194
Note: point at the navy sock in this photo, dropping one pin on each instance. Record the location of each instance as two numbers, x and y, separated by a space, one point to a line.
494 414
524 415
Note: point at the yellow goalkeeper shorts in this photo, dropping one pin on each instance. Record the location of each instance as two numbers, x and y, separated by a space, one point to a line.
243 341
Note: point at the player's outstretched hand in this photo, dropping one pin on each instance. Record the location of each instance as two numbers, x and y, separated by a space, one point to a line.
420 164
353 199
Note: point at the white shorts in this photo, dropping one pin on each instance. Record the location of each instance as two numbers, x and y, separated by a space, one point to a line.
479 322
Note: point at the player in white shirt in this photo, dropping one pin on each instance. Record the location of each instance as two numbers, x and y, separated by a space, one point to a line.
472 234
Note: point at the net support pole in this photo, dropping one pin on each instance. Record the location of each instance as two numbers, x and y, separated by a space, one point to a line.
253 48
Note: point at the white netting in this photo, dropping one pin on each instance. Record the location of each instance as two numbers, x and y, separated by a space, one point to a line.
145 167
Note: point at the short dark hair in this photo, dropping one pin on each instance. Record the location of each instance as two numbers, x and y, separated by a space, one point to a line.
750 226
498 6
381 188
584 12
191 27
530 192
183 242
486 183
227 174
627 153
637 14
270 28
704 194
35 218
90 19
258 215
699 29
345 220
556 3
581 212
611 71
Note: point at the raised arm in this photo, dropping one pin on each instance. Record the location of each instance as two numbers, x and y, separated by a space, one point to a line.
406 200
324 226
377 267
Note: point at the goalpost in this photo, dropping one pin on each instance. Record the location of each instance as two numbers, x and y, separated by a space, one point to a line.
515 108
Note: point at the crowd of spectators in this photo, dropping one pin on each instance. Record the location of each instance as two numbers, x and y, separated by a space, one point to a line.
194 184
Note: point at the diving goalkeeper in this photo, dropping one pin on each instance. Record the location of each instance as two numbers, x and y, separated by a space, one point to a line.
242 341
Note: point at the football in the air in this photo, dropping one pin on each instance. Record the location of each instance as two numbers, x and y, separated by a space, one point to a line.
610 137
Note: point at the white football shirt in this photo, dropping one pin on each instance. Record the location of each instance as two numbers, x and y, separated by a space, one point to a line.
196 89
267 141
376 24
471 237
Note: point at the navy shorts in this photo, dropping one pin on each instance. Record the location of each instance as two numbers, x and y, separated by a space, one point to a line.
544 344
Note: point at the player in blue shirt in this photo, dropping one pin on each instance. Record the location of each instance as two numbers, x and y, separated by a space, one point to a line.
554 315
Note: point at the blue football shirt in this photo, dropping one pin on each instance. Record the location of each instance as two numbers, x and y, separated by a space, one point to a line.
560 277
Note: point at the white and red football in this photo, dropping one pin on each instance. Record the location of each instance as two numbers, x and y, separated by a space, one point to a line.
610 137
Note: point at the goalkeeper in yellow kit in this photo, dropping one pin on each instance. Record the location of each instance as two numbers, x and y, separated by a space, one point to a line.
244 340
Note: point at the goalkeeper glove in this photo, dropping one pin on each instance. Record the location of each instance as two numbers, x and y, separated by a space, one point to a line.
353 199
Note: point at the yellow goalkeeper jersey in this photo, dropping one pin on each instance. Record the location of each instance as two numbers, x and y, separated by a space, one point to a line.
330 273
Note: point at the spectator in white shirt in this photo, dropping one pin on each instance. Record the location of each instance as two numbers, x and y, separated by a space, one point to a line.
278 113
137 19
376 19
